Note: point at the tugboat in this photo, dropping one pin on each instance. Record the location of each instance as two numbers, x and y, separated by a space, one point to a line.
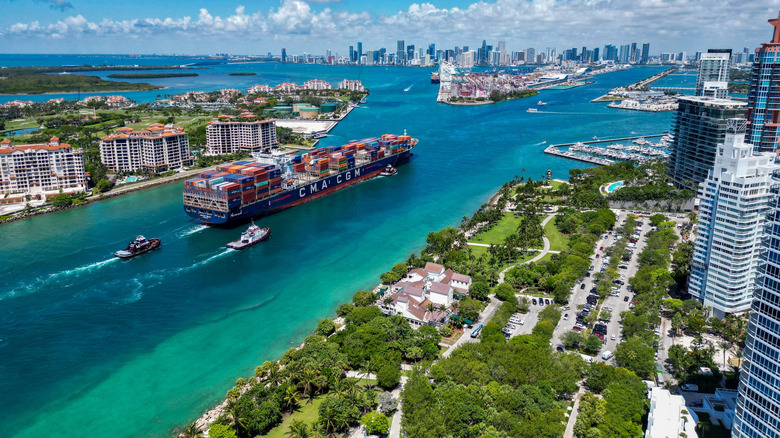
137 247
388 171
252 235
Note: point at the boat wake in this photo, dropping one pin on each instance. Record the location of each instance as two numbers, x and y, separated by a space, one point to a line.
41 282
190 231
408 88
210 259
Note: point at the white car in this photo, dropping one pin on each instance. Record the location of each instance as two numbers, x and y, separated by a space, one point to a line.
612 337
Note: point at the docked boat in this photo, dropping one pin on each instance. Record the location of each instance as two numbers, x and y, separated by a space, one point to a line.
532 110
540 103
252 235
138 246
435 78
388 171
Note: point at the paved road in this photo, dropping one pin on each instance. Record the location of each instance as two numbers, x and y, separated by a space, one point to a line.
484 317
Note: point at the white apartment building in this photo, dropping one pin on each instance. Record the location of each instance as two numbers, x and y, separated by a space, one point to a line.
228 136
158 149
259 89
668 417
713 79
34 169
316 84
734 200
346 84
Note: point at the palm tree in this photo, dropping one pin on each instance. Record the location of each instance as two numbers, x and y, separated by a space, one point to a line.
290 398
328 419
725 346
299 429
238 415
191 431
309 381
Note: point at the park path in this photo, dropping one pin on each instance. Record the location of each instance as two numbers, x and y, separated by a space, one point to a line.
543 252
575 409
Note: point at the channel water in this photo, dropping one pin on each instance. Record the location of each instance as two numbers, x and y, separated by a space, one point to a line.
95 346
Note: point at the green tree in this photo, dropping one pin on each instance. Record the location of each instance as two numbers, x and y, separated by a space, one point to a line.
505 292
375 423
635 355
325 327
592 344
388 376
61 200
572 339
479 290
104 185
363 298
299 429
221 431
469 309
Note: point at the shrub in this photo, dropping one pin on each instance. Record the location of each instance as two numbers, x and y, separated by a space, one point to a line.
388 377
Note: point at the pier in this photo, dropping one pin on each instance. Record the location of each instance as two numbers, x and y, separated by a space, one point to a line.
555 149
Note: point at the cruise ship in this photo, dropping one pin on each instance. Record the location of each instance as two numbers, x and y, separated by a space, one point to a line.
273 182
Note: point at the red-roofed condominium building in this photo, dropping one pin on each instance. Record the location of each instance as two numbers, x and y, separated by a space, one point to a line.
157 149
34 169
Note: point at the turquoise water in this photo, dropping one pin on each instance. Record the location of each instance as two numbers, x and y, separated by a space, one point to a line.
614 186
93 346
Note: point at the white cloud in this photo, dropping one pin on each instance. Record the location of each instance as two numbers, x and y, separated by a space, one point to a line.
669 25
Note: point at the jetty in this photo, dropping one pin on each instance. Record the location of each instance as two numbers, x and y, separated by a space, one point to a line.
640 150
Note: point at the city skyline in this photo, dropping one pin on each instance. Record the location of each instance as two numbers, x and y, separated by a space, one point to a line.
315 26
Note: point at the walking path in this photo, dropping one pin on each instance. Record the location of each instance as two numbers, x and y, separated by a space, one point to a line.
569 433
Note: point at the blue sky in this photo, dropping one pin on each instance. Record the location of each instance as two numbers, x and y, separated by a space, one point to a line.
258 27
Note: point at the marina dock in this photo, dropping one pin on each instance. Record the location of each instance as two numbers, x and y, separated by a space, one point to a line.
557 149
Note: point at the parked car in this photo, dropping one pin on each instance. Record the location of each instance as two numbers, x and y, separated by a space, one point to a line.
612 337
582 286
597 256
625 298
533 301
623 267
546 301
606 355
601 248
565 316
689 387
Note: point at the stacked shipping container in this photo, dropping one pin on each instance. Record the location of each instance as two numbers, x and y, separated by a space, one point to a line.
246 181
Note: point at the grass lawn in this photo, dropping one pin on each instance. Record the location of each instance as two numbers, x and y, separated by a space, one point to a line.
558 242
500 231
546 258
306 413
705 429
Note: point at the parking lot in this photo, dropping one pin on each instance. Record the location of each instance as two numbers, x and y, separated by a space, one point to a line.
617 303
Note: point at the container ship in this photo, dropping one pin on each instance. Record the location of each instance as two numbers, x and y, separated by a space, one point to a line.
276 181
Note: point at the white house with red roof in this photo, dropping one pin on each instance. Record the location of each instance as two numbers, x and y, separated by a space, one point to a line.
425 296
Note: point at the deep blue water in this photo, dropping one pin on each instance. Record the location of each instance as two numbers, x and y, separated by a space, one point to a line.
92 346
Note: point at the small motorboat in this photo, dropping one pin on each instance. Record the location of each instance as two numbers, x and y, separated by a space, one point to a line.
540 103
388 171
532 110
252 235
138 246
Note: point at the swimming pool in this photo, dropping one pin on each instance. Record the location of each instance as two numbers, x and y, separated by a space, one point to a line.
614 186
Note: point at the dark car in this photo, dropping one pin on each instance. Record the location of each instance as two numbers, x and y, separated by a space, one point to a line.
625 298
533 301
546 301
582 286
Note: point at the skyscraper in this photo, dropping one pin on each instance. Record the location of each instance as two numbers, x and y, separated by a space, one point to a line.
284 54
359 52
432 50
351 54
758 404
699 125
634 54
733 202
410 52
400 53
713 79
530 55
764 93
645 53
610 53
625 52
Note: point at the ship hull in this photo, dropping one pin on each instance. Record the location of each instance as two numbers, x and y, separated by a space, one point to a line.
297 196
